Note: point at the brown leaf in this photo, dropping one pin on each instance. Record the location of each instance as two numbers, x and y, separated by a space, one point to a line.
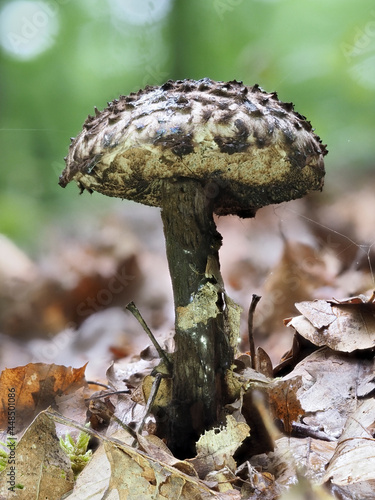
343 326
76 280
353 464
331 382
301 348
156 448
292 455
136 475
263 363
300 270
318 312
93 481
35 387
358 299
216 447
41 467
284 401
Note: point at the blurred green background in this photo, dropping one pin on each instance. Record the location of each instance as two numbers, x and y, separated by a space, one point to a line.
60 58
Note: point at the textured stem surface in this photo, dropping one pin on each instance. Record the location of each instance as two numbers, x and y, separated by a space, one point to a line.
203 350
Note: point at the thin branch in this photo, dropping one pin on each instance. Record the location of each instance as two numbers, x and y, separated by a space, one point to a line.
92 382
150 402
58 417
162 354
250 321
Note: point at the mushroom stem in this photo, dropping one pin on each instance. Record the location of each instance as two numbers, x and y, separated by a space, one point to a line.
203 349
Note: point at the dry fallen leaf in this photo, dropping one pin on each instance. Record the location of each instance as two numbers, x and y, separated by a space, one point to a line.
216 447
300 270
284 402
75 281
328 394
305 490
41 467
293 455
136 475
134 472
318 312
36 387
93 481
353 465
343 326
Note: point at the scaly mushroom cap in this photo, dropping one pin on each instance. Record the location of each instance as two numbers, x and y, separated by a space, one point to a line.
244 145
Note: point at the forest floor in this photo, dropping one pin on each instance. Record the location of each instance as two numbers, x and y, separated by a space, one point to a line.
302 424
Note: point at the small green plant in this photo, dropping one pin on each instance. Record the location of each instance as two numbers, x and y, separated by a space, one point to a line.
77 451
3 458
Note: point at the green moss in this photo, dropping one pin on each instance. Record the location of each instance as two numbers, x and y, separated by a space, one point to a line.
3 458
77 451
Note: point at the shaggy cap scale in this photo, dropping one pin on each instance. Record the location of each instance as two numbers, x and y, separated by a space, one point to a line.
244 145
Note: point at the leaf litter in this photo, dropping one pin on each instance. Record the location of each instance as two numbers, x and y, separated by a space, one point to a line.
302 430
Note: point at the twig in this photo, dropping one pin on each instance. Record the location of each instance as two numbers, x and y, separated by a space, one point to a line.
135 312
57 417
254 301
92 382
127 428
101 410
107 394
150 402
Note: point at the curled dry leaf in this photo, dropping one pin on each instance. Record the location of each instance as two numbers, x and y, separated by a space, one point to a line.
36 386
137 475
352 467
328 392
156 448
341 325
263 363
284 402
292 455
216 447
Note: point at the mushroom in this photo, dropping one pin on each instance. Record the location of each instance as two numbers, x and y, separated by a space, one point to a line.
195 149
